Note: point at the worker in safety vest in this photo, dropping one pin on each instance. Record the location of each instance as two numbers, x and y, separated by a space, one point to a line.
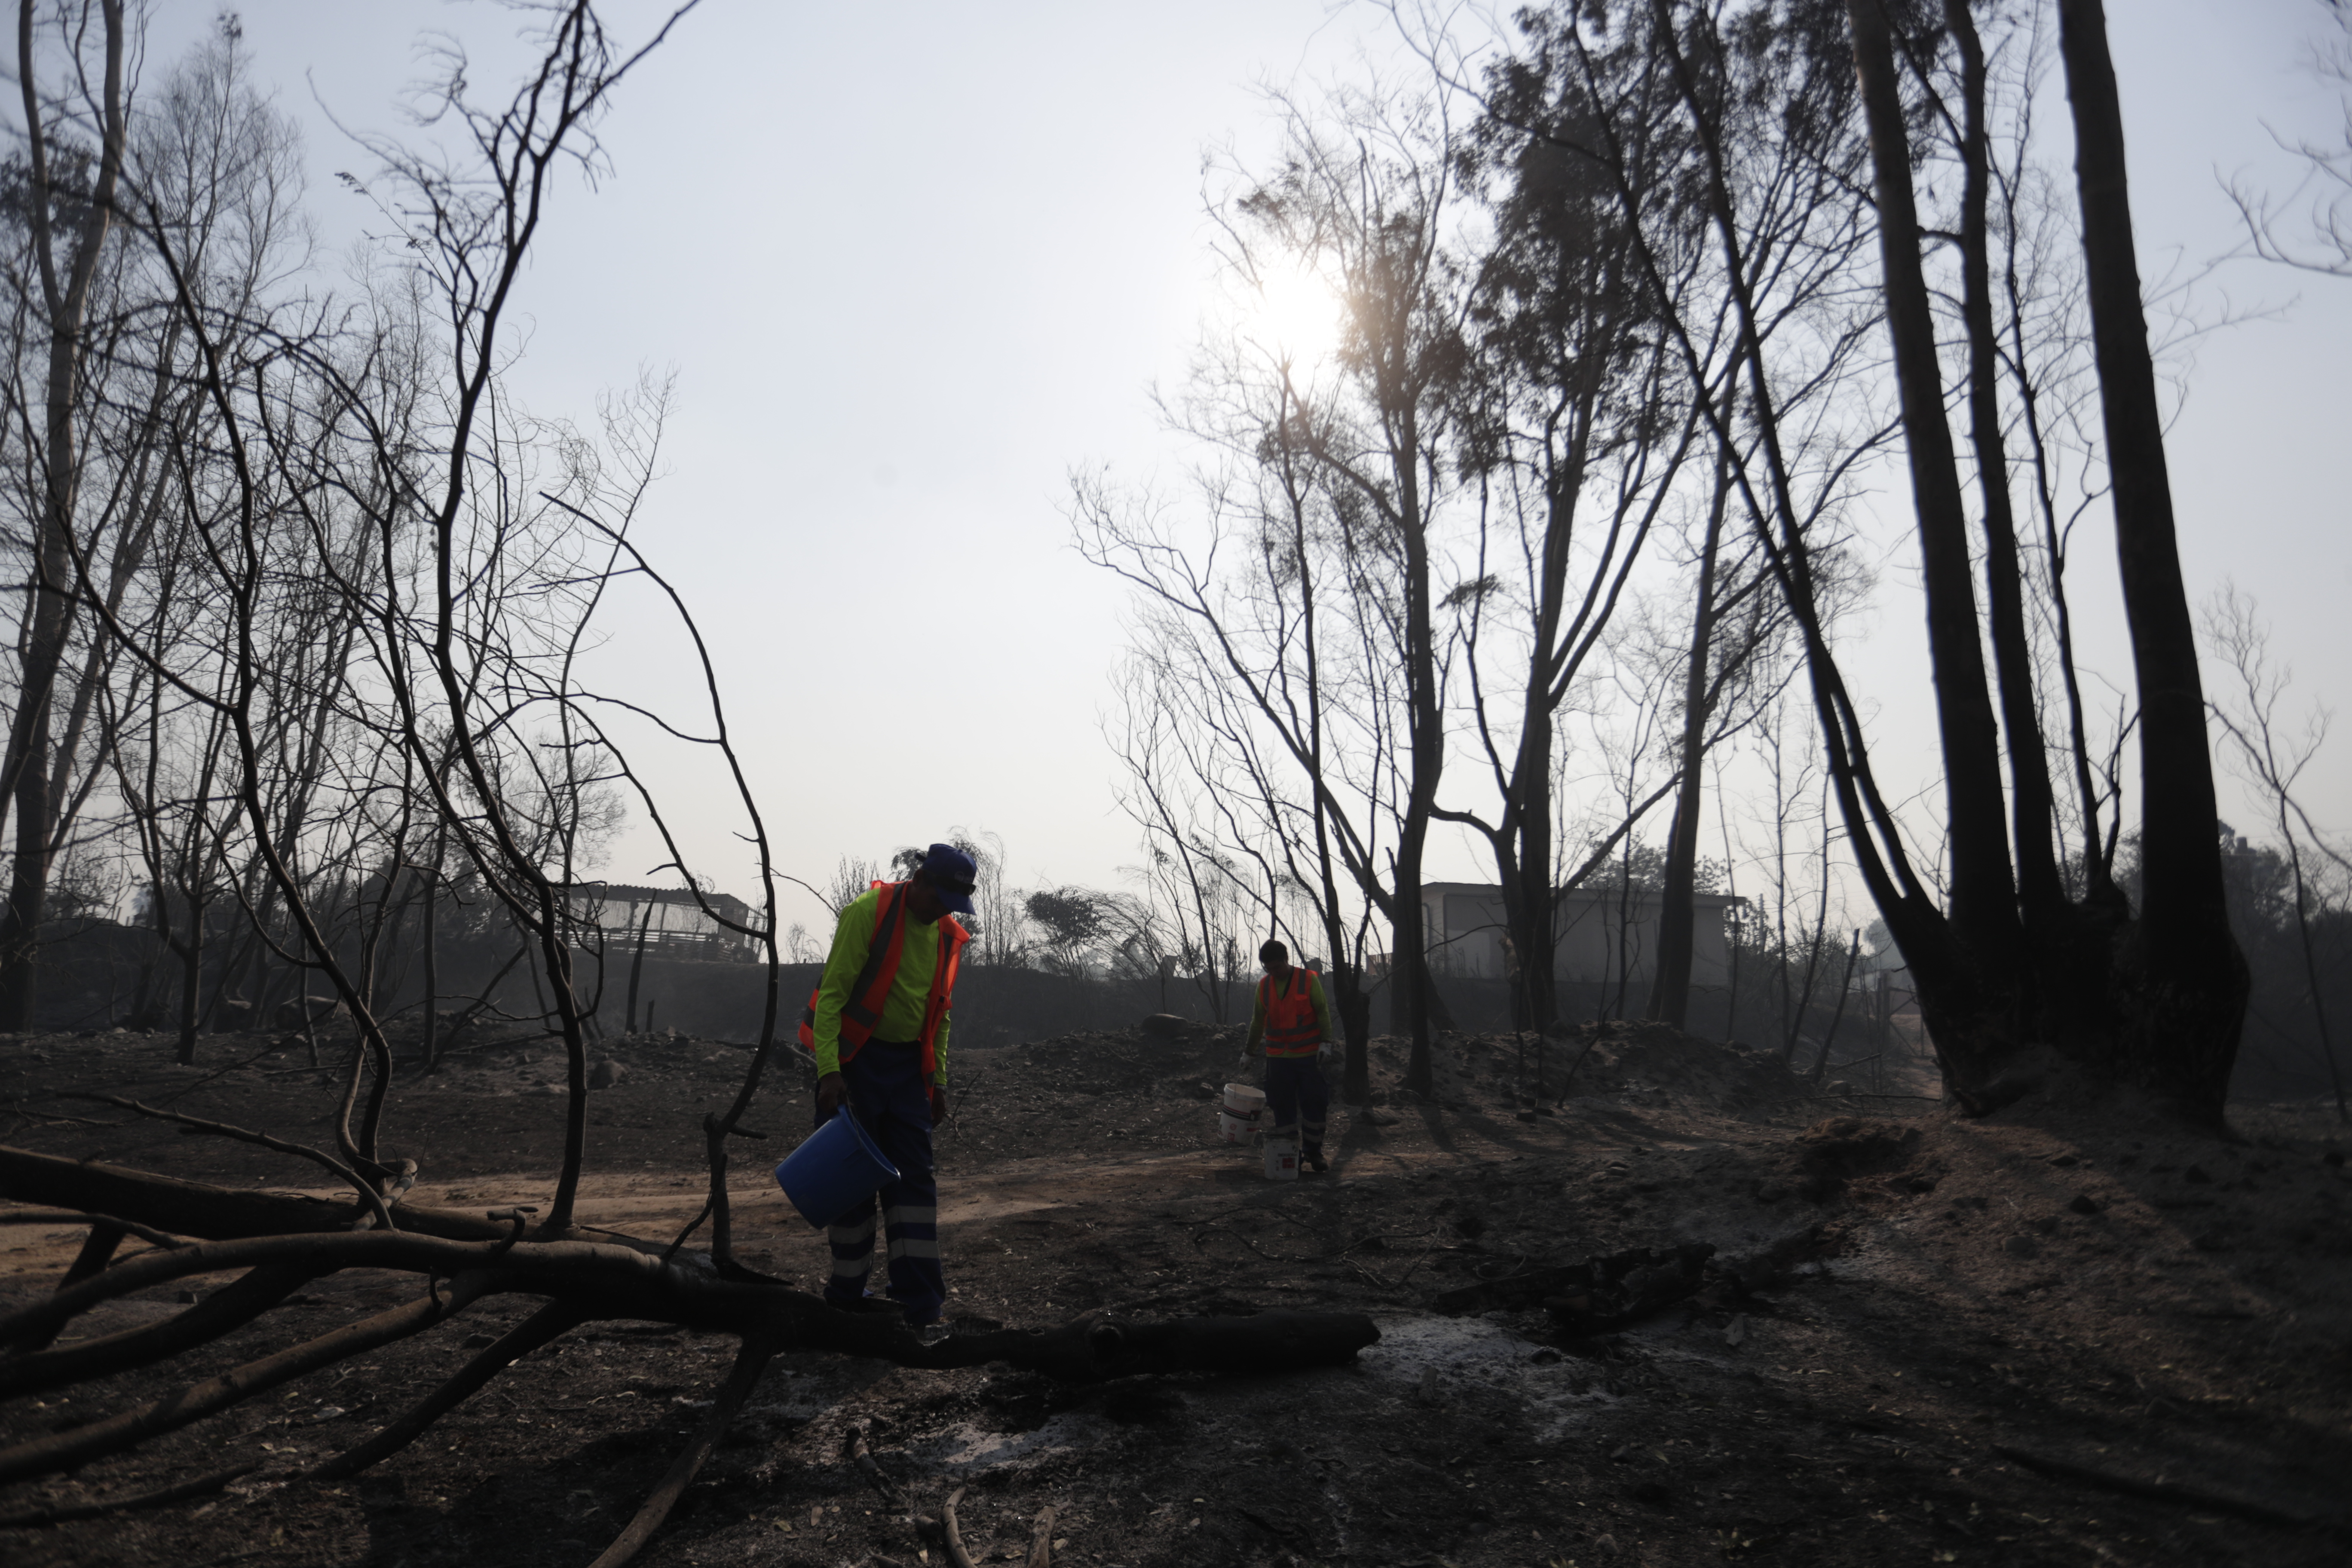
877 1025
1290 1024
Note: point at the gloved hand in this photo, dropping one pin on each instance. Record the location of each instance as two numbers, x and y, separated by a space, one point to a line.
939 1103
829 1092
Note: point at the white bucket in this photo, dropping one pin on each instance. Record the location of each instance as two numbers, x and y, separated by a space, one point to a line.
1281 1160
1237 1114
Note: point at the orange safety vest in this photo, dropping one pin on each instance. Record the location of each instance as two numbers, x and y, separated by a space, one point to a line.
1291 1027
862 1008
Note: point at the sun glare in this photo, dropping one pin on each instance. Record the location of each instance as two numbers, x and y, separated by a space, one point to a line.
1298 316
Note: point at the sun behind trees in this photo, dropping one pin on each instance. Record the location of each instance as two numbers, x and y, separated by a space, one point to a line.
1612 341
1558 514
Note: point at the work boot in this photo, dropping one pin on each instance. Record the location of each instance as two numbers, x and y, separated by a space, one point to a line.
1312 1159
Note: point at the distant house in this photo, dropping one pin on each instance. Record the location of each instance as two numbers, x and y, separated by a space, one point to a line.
1592 930
674 924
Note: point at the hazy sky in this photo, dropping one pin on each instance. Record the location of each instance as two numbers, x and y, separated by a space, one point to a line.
912 263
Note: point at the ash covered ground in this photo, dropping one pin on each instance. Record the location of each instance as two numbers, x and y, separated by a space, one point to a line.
2070 1334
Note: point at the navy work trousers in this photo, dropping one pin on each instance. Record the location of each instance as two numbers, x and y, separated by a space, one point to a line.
1297 1094
888 1096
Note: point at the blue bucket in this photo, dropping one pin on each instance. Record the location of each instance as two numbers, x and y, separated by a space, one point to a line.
834 1168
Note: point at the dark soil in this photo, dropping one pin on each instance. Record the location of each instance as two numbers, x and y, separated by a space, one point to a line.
2071 1334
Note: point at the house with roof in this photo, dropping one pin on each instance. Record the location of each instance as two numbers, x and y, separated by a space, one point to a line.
1600 934
674 922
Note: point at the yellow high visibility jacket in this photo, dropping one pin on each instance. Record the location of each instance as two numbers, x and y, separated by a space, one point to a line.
911 988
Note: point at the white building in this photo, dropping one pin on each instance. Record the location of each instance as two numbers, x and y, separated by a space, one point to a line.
672 922
1591 930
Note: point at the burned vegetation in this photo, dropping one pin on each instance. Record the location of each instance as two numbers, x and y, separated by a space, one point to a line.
1695 1312
391 1288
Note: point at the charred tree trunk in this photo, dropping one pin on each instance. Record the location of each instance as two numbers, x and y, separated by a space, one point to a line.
192 975
636 969
2180 982
1972 997
1670 991
1532 913
2041 892
2065 944
1356 1026
1409 988
1837 1013
432 923
1409 968
65 299
1347 976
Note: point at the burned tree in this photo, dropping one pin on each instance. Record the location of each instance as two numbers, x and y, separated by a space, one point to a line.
2007 958
1344 475
2153 996
68 213
1583 423
1589 111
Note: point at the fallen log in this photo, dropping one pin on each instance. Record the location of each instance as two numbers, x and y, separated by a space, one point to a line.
584 1281
277 1242
543 1326
150 1205
201 1209
225 1310
80 1444
601 1280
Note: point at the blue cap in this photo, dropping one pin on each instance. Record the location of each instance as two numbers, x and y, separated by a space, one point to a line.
950 872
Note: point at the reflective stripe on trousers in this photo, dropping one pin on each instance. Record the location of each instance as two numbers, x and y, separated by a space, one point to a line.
888 1097
913 1230
853 1250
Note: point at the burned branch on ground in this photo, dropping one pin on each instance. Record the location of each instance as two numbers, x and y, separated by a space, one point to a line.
581 1281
